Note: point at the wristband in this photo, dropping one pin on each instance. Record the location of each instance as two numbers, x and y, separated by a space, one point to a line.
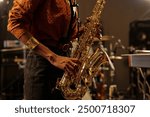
32 43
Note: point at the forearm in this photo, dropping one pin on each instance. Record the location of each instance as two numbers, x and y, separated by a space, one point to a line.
46 53
38 47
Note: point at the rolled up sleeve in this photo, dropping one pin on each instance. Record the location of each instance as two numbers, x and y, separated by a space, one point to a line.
20 16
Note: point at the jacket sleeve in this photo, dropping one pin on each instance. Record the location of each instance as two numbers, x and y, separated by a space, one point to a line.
20 16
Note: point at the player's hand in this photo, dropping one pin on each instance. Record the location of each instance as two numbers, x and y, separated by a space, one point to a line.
64 63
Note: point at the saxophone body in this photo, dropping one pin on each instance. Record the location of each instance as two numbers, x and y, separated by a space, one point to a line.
74 86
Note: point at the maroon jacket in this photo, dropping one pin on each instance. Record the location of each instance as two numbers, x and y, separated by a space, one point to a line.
46 20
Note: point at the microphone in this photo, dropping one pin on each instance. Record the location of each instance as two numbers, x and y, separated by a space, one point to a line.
110 62
117 45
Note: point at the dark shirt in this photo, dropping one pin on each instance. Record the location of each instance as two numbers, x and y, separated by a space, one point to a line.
47 20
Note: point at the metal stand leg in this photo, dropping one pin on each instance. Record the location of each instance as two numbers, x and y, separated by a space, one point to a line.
144 82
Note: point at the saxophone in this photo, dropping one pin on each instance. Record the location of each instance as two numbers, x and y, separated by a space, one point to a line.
74 86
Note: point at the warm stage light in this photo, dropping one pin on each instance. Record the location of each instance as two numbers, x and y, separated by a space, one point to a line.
1 0
147 0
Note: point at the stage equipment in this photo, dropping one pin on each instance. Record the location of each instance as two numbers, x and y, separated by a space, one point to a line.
106 38
139 34
11 73
139 41
141 61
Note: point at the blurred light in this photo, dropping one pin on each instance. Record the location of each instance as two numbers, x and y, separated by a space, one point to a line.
1 0
147 0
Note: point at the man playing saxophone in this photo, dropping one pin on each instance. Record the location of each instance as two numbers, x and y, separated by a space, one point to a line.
45 27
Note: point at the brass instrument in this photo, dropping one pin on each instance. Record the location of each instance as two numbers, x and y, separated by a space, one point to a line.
74 86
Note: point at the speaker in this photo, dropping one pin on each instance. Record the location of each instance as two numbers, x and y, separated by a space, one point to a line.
139 34
11 76
139 38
